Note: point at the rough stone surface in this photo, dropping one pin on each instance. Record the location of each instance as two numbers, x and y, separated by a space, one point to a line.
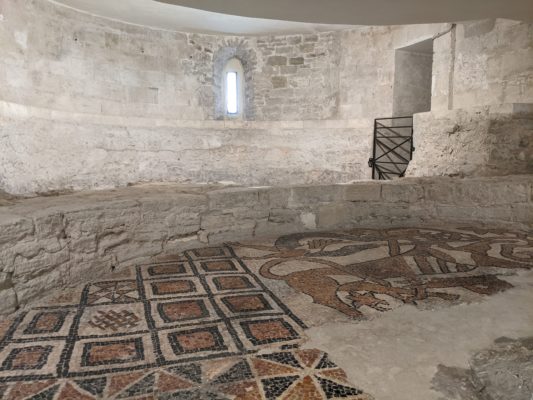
256 153
481 141
505 372
502 372
51 241
396 356
412 83
109 93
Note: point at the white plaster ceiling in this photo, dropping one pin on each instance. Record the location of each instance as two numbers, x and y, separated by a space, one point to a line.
166 16
254 17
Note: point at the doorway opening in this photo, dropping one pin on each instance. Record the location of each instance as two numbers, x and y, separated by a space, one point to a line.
412 79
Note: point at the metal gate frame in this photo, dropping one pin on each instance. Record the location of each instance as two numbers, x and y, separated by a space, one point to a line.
397 141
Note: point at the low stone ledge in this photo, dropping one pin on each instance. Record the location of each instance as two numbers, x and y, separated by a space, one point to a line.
51 242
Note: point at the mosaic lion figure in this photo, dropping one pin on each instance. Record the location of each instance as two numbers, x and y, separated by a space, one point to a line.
371 268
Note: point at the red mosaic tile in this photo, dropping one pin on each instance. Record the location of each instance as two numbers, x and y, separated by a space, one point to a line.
309 357
171 269
209 252
246 303
232 282
218 266
336 374
30 357
114 352
22 390
119 381
5 324
173 287
170 383
195 341
265 331
120 348
182 310
248 390
304 389
70 393
268 368
48 322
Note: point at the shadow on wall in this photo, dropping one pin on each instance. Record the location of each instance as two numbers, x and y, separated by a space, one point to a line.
412 79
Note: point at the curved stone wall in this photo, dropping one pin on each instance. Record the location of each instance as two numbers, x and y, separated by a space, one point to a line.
47 243
93 103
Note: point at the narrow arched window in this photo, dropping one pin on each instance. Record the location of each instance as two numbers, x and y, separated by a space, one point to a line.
234 88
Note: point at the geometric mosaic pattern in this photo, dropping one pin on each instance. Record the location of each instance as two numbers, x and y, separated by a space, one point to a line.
289 374
184 329
364 271
203 325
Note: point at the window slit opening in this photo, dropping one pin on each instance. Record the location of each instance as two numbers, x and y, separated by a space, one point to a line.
232 93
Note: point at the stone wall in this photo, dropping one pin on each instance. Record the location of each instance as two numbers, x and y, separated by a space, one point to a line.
81 95
479 141
58 58
412 83
66 153
481 119
48 243
481 63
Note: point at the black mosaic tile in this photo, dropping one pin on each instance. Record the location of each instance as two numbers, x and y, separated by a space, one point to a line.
282 358
335 390
158 270
218 266
256 339
95 362
192 372
178 339
275 387
246 303
93 350
35 327
162 288
47 394
243 283
13 360
145 386
169 311
240 371
194 395
95 386
325 362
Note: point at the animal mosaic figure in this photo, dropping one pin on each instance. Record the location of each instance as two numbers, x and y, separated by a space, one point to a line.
408 265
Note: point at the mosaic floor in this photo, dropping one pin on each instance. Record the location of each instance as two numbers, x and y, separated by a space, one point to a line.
205 325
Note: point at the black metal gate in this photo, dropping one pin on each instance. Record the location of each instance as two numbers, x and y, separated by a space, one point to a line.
393 147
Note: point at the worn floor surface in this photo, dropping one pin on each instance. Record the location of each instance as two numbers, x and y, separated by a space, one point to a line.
306 316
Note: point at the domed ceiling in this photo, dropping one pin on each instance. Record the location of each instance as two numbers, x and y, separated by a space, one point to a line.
254 17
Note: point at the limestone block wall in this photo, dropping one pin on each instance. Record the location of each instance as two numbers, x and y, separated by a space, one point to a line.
42 155
59 58
130 104
47 243
481 119
479 63
479 141
412 83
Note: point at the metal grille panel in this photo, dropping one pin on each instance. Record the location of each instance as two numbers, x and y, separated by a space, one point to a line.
393 147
